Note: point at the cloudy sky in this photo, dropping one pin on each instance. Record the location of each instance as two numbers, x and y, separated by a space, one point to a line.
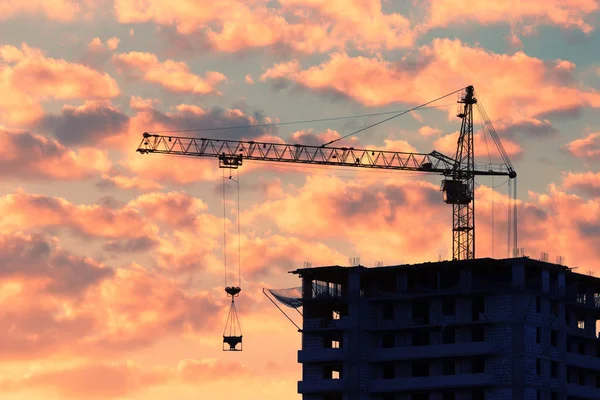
111 272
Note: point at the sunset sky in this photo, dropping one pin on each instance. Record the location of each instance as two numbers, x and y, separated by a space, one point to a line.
112 272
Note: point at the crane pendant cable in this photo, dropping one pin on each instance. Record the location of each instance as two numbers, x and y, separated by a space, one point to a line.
232 334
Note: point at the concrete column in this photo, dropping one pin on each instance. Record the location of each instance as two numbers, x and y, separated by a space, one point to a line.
518 276
545 281
353 350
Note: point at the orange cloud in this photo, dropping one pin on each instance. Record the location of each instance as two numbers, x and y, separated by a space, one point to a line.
34 157
537 87
567 14
302 25
336 210
116 180
587 148
447 145
31 77
57 10
172 75
103 380
429 131
362 23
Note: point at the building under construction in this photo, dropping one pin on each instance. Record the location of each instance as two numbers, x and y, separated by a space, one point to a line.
474 329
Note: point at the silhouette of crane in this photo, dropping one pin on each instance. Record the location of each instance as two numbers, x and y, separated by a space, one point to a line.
459 172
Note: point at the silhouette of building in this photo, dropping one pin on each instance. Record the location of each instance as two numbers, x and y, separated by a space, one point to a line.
478 329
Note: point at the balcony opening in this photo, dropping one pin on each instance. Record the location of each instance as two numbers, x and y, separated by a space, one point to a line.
533 278
420 312
449 396
553 338
388 341
478 334
449 307
420 338
478 307
388 284
448 336
538 304
538 366
332 341
448 367
449 279
478 394
420 369
553 369
554 308
388 312
333 371
478 365
538 335
333 396
420 396
388 371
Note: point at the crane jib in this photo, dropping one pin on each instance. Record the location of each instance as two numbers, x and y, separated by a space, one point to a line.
459 171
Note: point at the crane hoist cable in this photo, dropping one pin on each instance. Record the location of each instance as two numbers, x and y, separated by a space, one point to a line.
223 128
392 117
232 334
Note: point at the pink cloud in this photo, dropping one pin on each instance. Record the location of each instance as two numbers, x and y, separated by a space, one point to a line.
31 78
586 182
248 79
52 269
94 122
172 75
34 157
139 103
587 148
184 170
567 14
29 211
309 138
537 87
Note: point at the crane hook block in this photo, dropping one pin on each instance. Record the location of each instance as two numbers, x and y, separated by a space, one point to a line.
233 291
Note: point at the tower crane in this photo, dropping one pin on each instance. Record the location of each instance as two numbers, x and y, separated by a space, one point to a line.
459 172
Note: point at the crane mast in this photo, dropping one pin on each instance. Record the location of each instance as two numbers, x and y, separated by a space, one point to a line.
459 172
462 185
